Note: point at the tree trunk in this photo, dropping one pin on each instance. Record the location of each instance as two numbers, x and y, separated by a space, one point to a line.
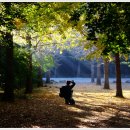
106 74
118 77
0 66
78 69
55 72
29 86
48 76
9 82
98 73
92 71
40 83
28 83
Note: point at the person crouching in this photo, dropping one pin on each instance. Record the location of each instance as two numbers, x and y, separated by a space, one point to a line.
66 92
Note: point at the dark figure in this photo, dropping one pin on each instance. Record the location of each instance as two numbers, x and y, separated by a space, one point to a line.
66 92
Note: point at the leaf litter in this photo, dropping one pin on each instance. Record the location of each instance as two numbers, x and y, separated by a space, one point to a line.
95 108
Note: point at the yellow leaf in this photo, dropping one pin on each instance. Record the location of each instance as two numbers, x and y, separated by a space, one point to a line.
18 23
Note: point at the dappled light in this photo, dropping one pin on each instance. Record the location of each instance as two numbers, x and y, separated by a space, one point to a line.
64 65
45 109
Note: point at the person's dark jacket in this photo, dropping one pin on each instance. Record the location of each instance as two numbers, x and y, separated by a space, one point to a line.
66 91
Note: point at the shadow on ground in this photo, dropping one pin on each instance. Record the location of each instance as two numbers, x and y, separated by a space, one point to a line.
49 111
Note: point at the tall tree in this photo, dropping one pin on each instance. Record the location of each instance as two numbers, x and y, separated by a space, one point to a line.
9 81
39 77
29 86
92 71
46 19
118 76
8 15
106 74
108 19
78 69
11 19
98 82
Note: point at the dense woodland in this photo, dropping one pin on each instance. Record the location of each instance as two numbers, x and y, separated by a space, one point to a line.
67 39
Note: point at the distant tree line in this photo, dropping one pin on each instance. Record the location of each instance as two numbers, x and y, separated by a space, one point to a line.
71 67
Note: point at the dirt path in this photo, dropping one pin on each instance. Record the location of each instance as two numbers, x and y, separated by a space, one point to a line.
95 108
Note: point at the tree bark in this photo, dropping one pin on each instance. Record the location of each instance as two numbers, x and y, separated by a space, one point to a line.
9 82
29 86
98 73
106 74
48 76
55 72
40 83
92 72
118 77
78 69
0 66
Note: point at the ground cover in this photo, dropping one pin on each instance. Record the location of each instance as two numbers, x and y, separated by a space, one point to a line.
95 108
